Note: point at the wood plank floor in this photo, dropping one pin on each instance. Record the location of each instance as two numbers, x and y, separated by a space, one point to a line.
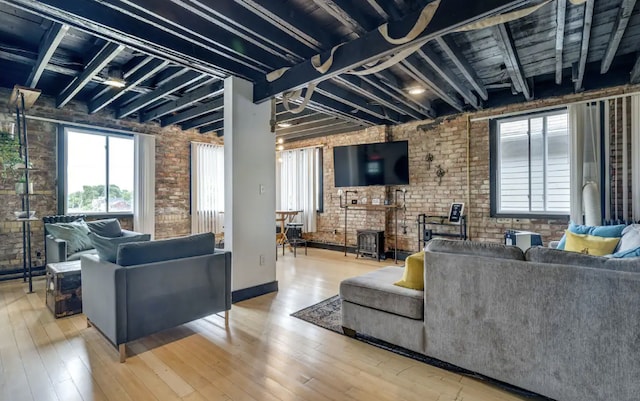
264 355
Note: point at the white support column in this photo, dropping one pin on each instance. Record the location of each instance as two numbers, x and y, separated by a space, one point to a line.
249 179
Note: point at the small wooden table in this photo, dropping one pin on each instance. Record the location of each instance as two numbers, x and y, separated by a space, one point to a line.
284 217
64 288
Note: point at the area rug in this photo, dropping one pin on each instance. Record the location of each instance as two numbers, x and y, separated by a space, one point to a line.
328 314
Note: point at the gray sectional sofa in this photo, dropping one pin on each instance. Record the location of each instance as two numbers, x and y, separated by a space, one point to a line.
560 324
155 285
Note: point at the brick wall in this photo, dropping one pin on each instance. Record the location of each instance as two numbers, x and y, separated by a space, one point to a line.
172 174
446 140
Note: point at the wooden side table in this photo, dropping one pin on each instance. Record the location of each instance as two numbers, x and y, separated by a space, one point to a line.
64 288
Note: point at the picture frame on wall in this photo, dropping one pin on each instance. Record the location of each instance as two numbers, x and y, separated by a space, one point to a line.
456 211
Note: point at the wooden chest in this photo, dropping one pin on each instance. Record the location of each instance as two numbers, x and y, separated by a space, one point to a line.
64 288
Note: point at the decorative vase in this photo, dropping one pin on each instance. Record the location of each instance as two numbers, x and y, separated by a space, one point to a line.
21 186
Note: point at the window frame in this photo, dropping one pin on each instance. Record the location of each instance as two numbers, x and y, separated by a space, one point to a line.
62 153
494 163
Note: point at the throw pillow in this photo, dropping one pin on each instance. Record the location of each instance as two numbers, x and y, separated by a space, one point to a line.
628 253
75 233
630 238
106 228
598 231
413 276
107 248
590 244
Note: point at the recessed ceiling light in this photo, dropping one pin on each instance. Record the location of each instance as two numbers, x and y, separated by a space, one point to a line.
280 140
416 90
284 125
280 147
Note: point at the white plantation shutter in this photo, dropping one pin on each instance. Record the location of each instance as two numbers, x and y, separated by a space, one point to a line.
533 167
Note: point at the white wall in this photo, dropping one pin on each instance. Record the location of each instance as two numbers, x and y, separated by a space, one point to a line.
249 151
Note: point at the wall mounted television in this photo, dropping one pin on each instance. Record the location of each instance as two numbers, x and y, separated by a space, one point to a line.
383 163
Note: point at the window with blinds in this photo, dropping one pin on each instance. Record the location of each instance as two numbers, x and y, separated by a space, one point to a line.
530 165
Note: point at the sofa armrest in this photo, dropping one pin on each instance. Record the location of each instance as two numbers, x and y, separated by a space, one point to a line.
104 297
56 249
553 244
128 233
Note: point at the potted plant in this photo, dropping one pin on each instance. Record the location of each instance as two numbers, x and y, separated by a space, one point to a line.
10 157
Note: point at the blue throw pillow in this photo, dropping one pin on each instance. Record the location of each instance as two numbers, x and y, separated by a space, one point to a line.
629 253
107 248
598 231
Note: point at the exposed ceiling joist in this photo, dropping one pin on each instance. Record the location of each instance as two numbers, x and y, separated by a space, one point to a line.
186 100
310 126
503 37
635 72
48 46
97 63
283 116
150 67
315 117
372 46
208 119
449 47
622 20
344 12
423 74
332 105
440 67
340 128
584 47
373 92
172 86
560 21
197 111
217 126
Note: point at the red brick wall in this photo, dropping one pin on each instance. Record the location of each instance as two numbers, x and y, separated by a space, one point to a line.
172 174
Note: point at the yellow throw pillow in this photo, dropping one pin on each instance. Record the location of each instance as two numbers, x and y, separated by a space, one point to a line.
590 244
413 276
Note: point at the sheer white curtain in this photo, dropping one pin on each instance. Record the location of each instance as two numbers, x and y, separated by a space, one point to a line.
207 188
584 128
298 184
144 208
635 156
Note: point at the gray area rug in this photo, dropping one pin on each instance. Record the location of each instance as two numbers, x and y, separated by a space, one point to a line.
328 314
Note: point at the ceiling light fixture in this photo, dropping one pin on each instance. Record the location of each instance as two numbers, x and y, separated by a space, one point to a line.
284 125
416 90
280 148
114 78
280 140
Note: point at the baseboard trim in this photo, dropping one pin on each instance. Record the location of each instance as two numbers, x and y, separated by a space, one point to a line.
402 255
252 292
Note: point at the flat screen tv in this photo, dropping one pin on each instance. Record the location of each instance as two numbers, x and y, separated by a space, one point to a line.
384 163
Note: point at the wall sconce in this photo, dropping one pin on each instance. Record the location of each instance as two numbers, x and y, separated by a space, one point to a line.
429 159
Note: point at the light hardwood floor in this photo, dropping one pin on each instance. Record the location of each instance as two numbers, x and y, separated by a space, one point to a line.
264 355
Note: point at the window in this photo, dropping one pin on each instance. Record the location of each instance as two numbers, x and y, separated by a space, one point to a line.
98 172
530 171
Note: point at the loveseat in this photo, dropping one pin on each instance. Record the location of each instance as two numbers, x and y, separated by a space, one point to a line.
560 324
155 285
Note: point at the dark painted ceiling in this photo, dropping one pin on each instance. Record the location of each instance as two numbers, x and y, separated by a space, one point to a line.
175 54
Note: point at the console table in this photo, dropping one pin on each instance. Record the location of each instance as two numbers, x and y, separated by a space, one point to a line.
425 234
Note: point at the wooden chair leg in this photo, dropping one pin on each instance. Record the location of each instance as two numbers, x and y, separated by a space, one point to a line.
226 319
89 323
122 348
349 332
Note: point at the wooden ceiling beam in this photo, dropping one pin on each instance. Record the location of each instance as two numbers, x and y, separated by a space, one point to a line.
323 131
217 126
172 86
372 46
580 67
561 11
440 67
99 61
151 67
452 51
309 119
622 20
503 37
201 121
424 75
48 46
186 100
197 111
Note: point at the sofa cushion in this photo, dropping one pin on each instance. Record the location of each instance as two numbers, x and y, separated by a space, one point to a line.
630 238
599 231
105 228
413 275
107 247
137 253
488 249
548 255
77 255
75 233
630 264
590 244
376 290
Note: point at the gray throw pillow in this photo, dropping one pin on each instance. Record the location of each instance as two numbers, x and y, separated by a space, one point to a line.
107 248
75 233
630 238
106 228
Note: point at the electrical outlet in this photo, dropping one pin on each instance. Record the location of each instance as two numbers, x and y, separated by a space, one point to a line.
335 231
261 260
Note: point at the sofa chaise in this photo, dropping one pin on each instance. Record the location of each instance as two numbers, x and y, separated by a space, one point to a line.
561 324
155 285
